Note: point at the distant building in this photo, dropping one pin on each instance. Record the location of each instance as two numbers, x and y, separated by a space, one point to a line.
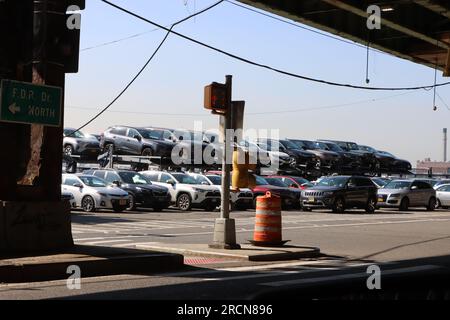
437 167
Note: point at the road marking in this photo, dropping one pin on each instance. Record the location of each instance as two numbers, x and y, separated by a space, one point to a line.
348 276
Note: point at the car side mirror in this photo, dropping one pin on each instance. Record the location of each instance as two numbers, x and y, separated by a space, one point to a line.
205 183
117 183
138 138
78 185
351 185
293 185
171 182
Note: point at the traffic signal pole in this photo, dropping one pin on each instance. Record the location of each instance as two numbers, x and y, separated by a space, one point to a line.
224 227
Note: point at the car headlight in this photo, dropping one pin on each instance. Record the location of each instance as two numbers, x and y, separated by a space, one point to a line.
103 194
395 195
199 190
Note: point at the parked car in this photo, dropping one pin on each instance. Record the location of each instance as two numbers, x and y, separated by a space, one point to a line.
137 141
399 165
385 162
369 162
77 143
329 160
442 196
288 197
67 196
341 192
92 193
440 183
142 192
185 192
404 194
294 182
300 160
380 182
279 183
242 199
349 161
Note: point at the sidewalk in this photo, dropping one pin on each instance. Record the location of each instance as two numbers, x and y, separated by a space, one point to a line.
247 252
92 260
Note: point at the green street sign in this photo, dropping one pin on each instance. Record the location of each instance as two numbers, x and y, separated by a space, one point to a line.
23 102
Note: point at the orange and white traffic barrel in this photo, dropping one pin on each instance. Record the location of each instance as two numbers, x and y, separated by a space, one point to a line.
268 230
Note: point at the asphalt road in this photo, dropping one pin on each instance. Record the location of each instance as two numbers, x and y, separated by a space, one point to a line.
350 242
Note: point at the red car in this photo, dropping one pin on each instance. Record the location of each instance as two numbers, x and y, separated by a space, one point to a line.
288 197
294 182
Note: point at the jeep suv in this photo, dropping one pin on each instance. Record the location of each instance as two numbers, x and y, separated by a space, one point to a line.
137 141
142 192
341 192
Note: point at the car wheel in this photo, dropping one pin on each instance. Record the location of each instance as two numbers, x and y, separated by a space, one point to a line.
132 205
68 149
88 204
431 204
438 204
404 204
184 202
339 205
371 205
147 152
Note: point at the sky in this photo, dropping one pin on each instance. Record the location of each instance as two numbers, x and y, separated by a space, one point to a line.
169 93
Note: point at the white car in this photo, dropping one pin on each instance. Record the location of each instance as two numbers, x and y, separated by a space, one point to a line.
185 191
91 193
243 199
442 196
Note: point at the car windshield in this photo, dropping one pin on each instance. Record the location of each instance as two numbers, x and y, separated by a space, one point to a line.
352 146
387 153
201 180
320 145
380 182
333 182
396 184
184 178
301 181
289 145
73 133
216 180
134 178
334 147
92 181
260 181
276 182
300 144
151 134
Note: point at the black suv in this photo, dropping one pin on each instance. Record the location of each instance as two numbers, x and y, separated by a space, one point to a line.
142 192
349 162
329 160
138 141
301 160
341 192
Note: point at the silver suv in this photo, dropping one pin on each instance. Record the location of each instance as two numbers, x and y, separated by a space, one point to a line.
403 194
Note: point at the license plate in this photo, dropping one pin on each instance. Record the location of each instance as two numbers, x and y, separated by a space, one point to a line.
311 199
380 199
122 202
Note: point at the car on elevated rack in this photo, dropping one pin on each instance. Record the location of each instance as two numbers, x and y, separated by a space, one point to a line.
329 160
301 161
368 164
349 161
288 197
80 144
92 193
399 165
403 194
185 192
241 199
138 142
276 160
142 192
341 192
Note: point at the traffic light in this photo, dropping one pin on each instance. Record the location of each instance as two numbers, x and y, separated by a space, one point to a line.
242 177
216 97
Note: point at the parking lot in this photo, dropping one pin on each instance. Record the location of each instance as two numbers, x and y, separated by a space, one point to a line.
387 234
